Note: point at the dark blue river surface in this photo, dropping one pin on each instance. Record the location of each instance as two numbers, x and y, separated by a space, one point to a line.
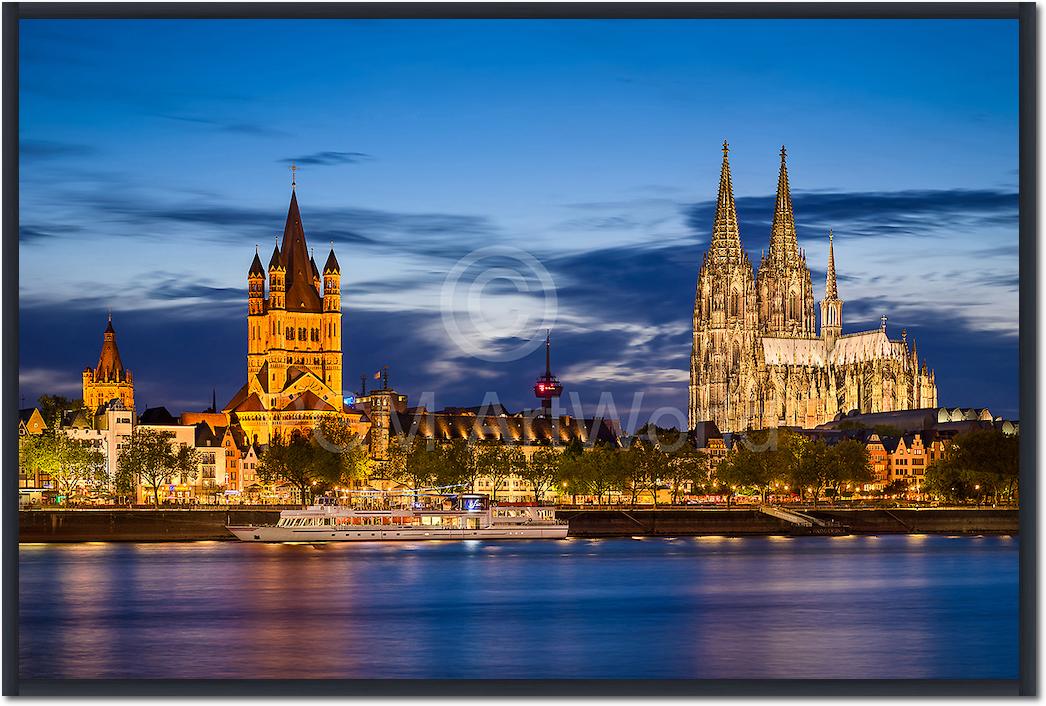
715 607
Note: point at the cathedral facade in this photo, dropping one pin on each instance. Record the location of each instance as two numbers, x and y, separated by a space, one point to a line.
294 340
758 360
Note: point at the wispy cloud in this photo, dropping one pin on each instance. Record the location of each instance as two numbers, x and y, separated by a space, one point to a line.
328 159
174 287
873 213
237 127
56 381
136 214
29 234
51 149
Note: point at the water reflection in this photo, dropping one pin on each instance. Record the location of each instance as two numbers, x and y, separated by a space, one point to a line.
712 607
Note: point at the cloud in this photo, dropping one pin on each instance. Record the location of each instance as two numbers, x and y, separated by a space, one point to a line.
173 287
251 129
50 149
236 127
1004 280
28 234
327 159
33 382
442 235
625 311
873 213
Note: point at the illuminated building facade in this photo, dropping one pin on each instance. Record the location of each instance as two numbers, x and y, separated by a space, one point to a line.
109 380
757 360
294 341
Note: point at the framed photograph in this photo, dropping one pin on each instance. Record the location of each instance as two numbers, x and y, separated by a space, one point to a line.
505 349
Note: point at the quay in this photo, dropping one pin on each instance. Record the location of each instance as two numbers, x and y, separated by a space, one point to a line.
179 525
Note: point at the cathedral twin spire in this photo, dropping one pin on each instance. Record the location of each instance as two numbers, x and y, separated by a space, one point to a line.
784 246
726 235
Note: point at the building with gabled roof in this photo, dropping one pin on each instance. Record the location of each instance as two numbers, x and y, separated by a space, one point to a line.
30 421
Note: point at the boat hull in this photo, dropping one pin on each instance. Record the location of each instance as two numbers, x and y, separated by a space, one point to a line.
394 534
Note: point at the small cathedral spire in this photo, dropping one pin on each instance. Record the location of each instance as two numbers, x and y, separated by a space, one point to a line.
882 320
830 289
294 175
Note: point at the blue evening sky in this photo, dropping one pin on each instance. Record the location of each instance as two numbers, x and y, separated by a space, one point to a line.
154 157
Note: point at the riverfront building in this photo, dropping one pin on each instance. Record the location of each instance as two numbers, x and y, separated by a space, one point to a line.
294 341
757 359
109 379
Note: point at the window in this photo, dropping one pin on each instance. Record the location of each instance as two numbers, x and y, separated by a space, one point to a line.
290 334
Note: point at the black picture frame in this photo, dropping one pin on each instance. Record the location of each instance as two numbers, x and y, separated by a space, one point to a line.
1024 13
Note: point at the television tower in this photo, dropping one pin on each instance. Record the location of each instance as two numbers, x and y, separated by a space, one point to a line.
548 385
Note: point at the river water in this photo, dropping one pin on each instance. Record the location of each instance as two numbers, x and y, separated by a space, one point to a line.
816 607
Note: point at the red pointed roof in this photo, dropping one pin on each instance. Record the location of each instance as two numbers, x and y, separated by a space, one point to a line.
309 400
251 404
276 261
301 292
256 266
236 400
110 367
332 264
315 270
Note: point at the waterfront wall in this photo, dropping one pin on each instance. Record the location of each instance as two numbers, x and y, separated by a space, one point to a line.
624 523
135 525
616 523
188 525
948 521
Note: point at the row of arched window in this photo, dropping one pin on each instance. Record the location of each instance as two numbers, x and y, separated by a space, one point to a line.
311 334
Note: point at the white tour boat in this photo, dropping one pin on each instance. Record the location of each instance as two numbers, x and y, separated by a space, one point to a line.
462 517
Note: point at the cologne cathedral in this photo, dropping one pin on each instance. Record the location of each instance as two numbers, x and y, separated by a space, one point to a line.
758 360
